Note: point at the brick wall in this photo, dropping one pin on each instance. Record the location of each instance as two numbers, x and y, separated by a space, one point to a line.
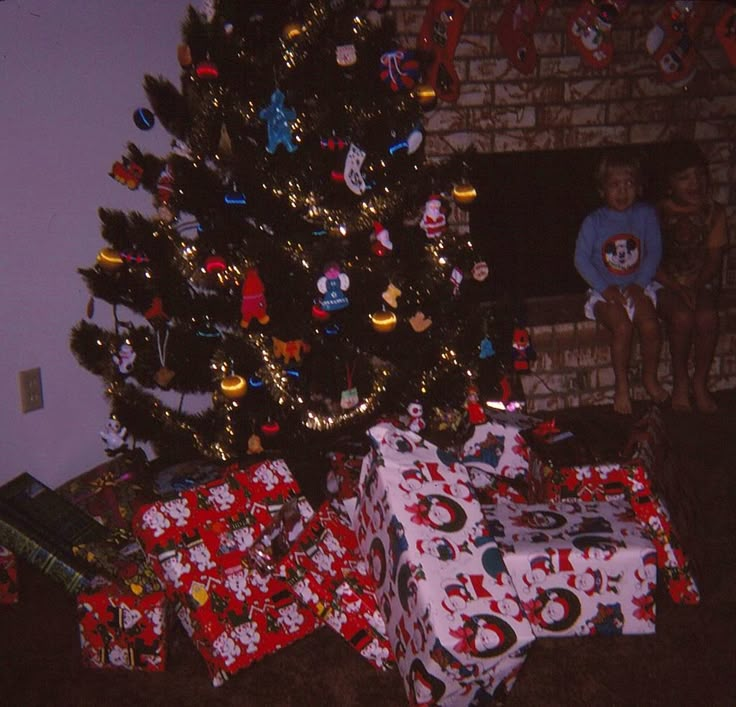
564 104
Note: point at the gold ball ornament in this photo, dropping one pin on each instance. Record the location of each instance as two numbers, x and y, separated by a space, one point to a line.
291 31
109 259
383 322
464 194
426 96
234 387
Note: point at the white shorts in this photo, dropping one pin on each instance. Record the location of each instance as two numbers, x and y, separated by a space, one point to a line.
594 297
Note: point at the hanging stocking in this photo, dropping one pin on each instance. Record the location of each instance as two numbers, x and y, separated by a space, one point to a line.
515 31
589 29
726 33
671 41
439 35
353 162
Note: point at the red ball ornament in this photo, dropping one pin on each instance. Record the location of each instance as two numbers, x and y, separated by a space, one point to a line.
214 264
207 70
270 428
318 313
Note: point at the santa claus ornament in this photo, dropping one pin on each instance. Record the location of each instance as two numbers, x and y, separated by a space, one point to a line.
380 240
522 351
433 221
254 303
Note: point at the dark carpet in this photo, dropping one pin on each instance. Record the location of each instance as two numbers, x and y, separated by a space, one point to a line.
690 661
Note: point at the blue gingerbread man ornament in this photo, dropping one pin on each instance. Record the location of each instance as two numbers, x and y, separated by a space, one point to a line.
279 118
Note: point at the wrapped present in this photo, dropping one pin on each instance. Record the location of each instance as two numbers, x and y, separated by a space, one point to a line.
562 466
342 483
199 545
112 491
438 573
118 629
497 455
578 568
8 577
326 571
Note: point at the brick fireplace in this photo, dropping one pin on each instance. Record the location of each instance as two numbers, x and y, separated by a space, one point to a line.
564 105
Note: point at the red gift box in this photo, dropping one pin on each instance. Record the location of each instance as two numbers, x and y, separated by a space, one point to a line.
8 577
326 572
198 544
118 629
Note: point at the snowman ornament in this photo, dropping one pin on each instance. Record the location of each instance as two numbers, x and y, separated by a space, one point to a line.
113 435
416 421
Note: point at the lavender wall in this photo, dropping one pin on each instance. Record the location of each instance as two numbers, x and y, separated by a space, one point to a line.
71 74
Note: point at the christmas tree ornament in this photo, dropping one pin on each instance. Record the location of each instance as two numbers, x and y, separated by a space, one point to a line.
346 55
156 314
143 118
400 69
184 56
433 221
476 414
207 70
224 144
270 428
109 259
522 351
351 173
411 143
725 32
515 31
456 279
671 41
383 321
113 435
438 36
464 194
127 173
426 96
486 348
332 285
333 329
380 240
134 257
255 382
349 397
124 358
235 197
234 387
254 305
390 295
420 322
333 144
416 417
163 375
214 264
480 271
289 350
278 119
589 29
254 444
291 31
319 314
165 186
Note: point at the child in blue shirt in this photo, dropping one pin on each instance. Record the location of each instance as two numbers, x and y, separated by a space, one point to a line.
617 253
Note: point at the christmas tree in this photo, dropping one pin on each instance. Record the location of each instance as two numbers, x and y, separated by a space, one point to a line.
295 274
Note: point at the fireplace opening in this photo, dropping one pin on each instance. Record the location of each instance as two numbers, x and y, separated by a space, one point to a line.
529 208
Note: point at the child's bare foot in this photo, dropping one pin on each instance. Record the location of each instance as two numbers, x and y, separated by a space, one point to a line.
656 392
622 402
704 400
681 398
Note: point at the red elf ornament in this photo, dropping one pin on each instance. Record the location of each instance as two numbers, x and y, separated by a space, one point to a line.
254 300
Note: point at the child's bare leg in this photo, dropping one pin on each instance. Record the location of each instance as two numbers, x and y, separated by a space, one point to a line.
680 321
650 341
706 336
615 319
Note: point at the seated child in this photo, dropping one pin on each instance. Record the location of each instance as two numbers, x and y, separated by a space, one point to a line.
617 253
693 240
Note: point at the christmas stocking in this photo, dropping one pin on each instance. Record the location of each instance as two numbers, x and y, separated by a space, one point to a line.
439 35
726 33
515 31
589 29
672 39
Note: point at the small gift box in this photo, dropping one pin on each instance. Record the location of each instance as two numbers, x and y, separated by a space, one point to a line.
579 568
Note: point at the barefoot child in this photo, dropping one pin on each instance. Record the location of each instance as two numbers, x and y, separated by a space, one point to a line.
617 253
694 238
